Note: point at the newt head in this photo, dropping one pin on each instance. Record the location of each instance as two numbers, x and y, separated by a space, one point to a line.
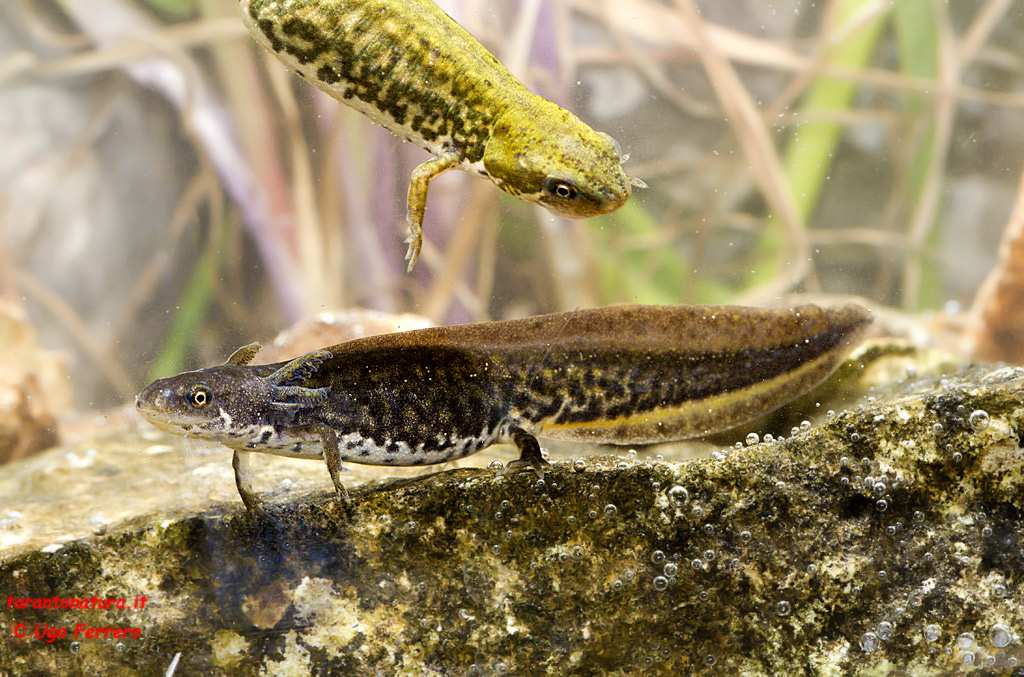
216 404
550 157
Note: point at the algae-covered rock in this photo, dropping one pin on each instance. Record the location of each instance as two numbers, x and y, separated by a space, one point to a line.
886 539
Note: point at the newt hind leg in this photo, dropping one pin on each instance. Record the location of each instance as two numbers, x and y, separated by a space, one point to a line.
418 186
529 453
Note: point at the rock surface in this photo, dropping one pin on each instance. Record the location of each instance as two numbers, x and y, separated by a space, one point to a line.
887 539
33 387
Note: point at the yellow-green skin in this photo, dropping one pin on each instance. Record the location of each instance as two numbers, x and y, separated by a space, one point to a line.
411 69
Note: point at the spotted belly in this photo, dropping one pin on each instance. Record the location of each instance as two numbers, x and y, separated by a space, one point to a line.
357 448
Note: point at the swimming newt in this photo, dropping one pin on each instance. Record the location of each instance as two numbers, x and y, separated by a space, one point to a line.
410 68
620 375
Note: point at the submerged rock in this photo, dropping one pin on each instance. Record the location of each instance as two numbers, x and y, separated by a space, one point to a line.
887 538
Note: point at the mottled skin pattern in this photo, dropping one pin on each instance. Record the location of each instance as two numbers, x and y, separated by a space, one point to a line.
619 375
410 68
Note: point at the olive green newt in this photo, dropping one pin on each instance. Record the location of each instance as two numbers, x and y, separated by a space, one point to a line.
618 375
410 68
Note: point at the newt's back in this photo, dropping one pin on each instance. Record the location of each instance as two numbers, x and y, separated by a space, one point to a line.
623 374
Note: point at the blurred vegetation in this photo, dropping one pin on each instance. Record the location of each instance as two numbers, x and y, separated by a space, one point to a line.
850 112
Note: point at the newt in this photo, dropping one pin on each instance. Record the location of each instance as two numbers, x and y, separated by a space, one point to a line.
625 374
410 68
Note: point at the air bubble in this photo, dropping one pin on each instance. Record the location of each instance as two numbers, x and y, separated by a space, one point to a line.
884 630
679 494
965 641
99 524
881 505
869 642
579 465
978 420
671 569
932 632
1000 635
745 536
752 439
658 557
576 552
495 465
610 509
709 529
660 583
783 608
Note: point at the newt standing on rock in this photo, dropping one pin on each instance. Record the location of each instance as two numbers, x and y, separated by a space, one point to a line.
617 375
410 68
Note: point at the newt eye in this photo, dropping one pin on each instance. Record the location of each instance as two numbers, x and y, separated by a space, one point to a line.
199 397
561 190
